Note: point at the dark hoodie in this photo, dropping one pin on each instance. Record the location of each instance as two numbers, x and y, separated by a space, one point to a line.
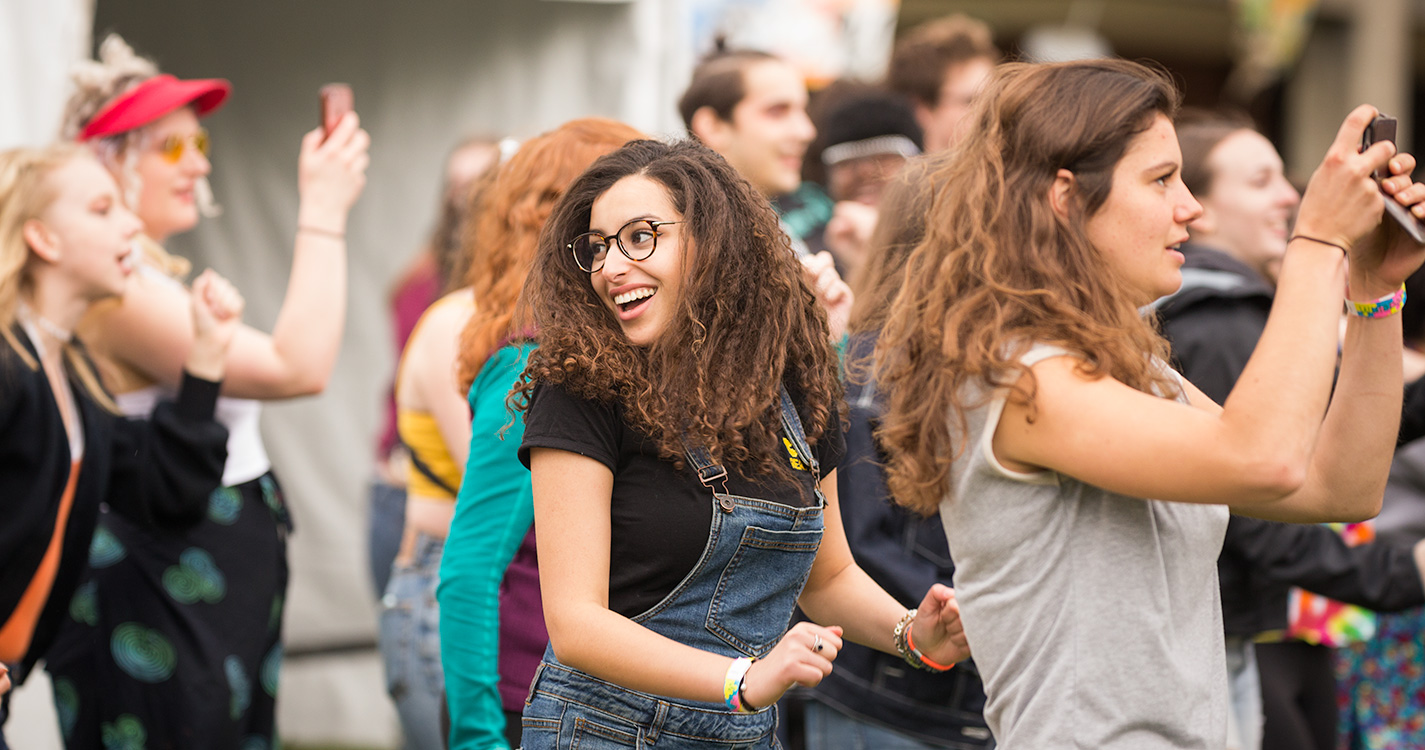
1214 322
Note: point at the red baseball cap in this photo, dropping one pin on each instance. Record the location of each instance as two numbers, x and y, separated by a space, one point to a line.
153 99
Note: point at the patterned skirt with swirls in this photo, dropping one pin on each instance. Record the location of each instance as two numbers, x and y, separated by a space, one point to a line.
1381 686
174 640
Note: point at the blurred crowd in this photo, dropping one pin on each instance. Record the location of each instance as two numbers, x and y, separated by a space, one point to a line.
994 404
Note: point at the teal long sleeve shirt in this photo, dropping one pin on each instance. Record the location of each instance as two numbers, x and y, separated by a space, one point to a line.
493 513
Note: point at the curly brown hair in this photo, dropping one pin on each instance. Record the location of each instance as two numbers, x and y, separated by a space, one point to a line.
999 270
746 321
505 218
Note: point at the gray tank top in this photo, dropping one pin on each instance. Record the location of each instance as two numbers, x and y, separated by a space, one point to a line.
1095 618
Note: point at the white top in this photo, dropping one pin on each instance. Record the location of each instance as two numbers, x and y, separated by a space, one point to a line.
1095 619
247 457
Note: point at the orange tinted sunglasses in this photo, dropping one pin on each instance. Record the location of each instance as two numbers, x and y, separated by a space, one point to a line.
174 146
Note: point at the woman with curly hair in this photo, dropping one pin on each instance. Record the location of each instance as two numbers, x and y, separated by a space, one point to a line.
1085 487
207 596
466 541
682 433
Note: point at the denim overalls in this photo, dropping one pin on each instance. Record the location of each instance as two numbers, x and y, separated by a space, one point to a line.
737 601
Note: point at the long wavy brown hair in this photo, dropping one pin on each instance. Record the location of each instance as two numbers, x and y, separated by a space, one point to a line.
999 270
507 215
747 323
899 230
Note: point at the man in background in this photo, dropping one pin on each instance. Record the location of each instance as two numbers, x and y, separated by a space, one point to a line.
941 65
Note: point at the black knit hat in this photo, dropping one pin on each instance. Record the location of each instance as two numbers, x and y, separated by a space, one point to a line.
867 122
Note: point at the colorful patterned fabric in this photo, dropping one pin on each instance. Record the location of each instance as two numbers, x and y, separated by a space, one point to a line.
1381 686
1321 621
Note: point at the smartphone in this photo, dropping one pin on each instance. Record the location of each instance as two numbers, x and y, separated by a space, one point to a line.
1383 129
337 100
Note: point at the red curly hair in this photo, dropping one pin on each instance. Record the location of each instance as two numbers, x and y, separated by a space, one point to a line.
508 213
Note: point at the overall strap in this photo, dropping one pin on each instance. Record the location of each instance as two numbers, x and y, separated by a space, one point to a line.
714 476
711 474
792 424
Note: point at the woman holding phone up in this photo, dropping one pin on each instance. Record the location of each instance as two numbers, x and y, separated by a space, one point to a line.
1084 486
209 597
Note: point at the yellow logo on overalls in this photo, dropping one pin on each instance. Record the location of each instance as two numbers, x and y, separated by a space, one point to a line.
792 456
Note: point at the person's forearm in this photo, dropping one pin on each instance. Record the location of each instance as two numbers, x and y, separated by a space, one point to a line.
852 600
612 647
1276 407
1351 462
307 335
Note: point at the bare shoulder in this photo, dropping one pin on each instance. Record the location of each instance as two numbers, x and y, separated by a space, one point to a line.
440 326
149 330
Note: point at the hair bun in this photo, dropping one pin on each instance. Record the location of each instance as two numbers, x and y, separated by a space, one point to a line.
96 82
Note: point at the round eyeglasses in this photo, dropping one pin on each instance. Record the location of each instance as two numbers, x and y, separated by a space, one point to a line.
636 240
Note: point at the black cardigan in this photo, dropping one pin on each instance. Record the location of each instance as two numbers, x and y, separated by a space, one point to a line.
157 472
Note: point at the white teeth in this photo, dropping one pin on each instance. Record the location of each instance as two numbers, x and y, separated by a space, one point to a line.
633 295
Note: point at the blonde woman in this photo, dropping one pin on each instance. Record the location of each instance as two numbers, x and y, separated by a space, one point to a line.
211 595
66 242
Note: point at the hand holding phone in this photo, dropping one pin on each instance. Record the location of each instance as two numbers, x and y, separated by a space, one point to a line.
1383 128
337 100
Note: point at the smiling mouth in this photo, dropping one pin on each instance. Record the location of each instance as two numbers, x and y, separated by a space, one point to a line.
634 298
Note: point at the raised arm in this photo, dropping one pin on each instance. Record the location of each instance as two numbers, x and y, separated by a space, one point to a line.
1267 451
150 332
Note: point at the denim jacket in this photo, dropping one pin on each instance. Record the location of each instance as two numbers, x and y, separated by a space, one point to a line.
905 554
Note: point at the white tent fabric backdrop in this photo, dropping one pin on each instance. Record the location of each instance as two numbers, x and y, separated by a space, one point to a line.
425 73
39 40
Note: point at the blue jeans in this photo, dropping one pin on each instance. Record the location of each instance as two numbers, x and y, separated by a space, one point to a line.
410 646
388 520
1244 690
829 729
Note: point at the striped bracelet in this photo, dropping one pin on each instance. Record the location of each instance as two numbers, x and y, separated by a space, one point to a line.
1381 308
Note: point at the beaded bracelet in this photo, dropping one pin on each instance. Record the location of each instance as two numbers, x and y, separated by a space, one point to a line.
732 685
934 666
1381 308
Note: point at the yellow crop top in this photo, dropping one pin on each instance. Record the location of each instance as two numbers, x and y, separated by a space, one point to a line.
431 464
422 438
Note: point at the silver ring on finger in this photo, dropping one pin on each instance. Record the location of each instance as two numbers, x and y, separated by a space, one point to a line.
816 644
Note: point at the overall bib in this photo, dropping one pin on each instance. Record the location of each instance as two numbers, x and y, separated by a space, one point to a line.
737 601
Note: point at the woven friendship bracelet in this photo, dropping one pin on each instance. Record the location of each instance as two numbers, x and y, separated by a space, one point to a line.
1381 308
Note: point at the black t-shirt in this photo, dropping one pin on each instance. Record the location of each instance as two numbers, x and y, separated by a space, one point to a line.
660 516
